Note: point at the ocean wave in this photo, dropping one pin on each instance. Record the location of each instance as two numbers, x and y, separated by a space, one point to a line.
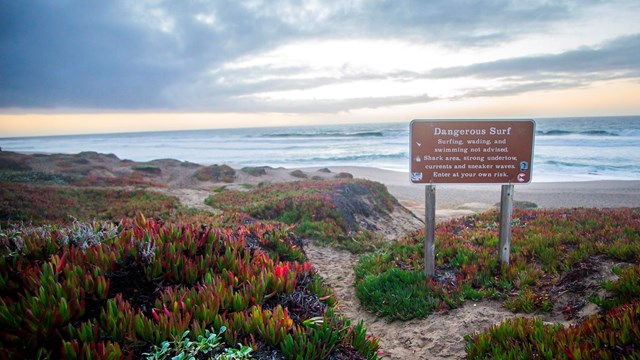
587 133
325 134
567 164
399 155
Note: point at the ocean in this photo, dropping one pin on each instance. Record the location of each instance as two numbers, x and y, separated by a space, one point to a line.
566 149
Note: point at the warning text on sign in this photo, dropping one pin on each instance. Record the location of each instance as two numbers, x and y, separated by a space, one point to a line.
471 151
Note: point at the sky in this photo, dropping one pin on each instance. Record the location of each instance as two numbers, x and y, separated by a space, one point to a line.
92 66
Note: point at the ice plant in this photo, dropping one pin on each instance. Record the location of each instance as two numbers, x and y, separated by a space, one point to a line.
545 245
71 299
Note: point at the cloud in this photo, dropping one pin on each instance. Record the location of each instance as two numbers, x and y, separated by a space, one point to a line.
621 55
615 59
173 55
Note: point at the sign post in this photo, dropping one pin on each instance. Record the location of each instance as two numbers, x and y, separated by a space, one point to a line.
430 230
471 152
506 210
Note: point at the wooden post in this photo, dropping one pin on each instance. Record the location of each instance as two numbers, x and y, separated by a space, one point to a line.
430 230
506 210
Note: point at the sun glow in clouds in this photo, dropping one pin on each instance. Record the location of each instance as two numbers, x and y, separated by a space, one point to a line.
345 69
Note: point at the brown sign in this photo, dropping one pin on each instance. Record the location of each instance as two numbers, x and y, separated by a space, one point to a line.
471 151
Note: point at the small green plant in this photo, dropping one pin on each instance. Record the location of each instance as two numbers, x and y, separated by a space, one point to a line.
186 349
241 353
624 290
398 294
219 189
528 302
361 242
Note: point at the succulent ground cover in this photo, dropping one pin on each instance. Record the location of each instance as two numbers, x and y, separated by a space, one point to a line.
613 335
216 173
323 210
42 204
549 249
107 291
85 169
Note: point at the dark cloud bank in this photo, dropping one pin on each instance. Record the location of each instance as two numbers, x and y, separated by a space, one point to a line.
158 55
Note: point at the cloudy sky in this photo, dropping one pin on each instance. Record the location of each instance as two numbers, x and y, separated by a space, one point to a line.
74 66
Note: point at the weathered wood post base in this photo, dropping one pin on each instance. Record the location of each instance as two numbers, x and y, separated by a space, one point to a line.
430 230
506 210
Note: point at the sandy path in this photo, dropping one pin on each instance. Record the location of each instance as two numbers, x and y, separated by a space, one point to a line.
192 198
439 336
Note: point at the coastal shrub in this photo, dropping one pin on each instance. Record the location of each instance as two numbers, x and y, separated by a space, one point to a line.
323 210
40 204
545 245
216 173
614 335
298 174
344 175
8 163
255 170
141 286
147 168
37 177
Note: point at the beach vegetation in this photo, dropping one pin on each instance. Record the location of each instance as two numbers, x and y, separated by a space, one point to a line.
612 335
144 288
218 189
147 168
135 179
216 173
344 175
321 210
551 250
299 174
78 177
42 204
37 177
624 289
255 170
8 162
